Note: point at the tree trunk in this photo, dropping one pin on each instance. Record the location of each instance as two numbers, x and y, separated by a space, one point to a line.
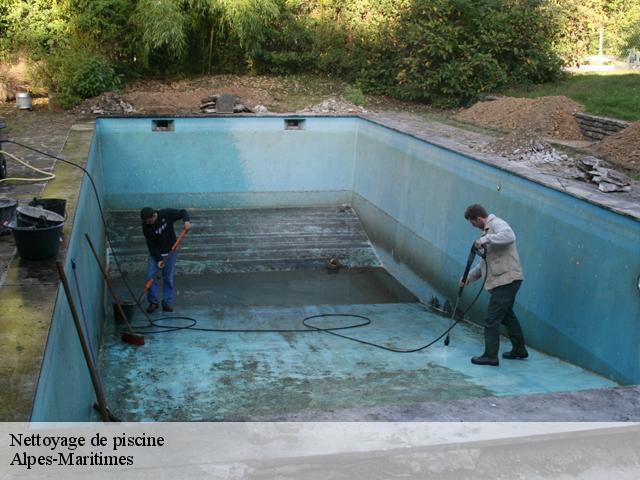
601 40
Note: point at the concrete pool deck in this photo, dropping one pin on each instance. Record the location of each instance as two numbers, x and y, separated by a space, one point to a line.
30 290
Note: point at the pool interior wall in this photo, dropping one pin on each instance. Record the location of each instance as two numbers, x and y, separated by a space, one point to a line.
63 367
579 301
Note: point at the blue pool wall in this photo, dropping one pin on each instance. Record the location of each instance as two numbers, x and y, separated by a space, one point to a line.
225 163
64 391
579 300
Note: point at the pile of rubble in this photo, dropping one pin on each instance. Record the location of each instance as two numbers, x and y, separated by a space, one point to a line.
105 104
607 179
227 104
334 105
525 146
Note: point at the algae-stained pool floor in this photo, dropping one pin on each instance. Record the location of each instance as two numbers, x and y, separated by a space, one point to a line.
202 375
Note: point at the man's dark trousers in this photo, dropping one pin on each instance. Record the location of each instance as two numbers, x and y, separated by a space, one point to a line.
501 311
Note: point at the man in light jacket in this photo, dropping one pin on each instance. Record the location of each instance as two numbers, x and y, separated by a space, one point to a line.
503 279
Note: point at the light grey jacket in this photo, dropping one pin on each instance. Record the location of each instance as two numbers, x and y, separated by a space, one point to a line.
502 255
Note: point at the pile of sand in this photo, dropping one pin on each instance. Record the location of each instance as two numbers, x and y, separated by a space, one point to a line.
623 148
544 116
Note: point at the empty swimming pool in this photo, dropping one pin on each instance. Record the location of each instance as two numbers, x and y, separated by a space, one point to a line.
270 206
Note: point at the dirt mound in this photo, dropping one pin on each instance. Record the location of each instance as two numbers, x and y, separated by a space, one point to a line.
174 97
623 148
545 116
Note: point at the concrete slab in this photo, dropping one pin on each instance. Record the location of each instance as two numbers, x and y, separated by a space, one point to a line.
191 375
283 289
29 288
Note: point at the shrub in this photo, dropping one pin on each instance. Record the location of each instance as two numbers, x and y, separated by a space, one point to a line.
448 51
77 73
354 95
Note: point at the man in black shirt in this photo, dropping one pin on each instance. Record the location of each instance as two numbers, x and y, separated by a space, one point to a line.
157 226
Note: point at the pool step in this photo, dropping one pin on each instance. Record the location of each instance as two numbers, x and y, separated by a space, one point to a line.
253 240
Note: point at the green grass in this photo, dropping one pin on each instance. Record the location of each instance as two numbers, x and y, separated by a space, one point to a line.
611 94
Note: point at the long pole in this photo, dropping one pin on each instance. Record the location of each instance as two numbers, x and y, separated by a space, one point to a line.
102 403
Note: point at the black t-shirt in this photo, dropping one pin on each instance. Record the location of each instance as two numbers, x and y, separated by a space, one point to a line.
160 235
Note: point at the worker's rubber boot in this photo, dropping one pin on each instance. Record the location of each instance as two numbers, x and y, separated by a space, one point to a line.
518 350
491 347
484 360
152 307
514 354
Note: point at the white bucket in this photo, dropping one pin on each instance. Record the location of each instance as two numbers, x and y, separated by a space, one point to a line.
23 101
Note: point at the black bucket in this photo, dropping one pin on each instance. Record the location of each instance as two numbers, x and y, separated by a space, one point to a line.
37 217
37 243
127 308
57 205
7 210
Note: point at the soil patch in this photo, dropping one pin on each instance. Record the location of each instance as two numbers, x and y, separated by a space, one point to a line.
186 96
623 148
255 94
174 97
544 116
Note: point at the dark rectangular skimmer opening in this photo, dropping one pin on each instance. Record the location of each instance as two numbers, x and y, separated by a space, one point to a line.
162 125
293 124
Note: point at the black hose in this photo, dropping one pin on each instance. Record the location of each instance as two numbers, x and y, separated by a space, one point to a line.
481 252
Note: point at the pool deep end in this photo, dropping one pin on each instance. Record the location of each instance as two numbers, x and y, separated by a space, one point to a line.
579 301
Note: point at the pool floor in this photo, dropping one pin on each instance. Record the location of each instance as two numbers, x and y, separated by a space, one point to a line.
186 375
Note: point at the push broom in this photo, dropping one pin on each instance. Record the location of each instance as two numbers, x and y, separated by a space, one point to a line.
129 336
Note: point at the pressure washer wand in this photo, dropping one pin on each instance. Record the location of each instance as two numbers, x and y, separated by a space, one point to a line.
472 255
175 245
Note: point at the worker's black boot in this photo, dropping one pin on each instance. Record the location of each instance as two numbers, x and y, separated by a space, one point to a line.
152 307
519 354
518 350
484 360
491 347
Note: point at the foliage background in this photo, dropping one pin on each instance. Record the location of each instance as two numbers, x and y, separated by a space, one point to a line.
444 52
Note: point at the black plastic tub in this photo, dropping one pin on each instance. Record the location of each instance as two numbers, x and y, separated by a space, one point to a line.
57 205
38 217
7 210
37 243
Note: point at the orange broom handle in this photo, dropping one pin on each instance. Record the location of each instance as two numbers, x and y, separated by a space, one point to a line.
184 231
